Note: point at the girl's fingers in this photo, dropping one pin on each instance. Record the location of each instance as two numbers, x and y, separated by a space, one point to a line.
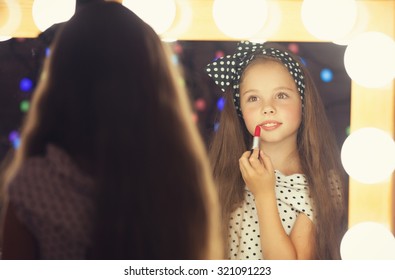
245 168
251 158
244 163
244 159
246 155
255 159
254 153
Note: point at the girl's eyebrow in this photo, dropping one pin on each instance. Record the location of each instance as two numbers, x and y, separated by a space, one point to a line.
284 88
275 89
250 90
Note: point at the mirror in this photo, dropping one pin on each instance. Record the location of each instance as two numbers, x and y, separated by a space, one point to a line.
22 60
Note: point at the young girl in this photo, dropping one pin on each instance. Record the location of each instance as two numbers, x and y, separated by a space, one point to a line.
284 200
111 164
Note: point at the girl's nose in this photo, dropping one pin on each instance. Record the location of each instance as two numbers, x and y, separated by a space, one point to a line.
268 110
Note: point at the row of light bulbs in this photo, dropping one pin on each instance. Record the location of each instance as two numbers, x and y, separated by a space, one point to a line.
245 19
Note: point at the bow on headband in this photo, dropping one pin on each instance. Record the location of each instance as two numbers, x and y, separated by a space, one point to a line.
227 70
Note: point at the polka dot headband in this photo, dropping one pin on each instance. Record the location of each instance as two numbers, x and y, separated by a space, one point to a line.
227 70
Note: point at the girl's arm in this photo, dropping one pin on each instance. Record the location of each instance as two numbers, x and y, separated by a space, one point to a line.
258 175
275 242
17 241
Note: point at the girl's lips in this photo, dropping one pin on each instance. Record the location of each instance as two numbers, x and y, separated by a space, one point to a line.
270 125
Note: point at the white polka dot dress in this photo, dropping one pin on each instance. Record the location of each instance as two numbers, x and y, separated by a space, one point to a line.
55 201
293 198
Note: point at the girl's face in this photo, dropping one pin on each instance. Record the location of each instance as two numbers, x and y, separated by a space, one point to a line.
269 98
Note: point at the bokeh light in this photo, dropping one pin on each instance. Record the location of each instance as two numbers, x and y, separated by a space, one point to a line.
26 84
221 103
13 19
159 15
182 20
240 18
24 106
15 139
219 54
175 59
369 59
48 12
326 75
368 241
272 25
195 117
178 48
200 104
329 19
13 135
216 126
181 82
5 38
348 129
293 47
360 26
368 155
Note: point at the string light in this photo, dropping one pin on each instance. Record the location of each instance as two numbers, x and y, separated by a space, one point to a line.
326 75
221 103
14 138
24 106
26 84
293 47
200 104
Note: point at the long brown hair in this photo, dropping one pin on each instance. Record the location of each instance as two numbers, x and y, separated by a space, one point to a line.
112 99
319 156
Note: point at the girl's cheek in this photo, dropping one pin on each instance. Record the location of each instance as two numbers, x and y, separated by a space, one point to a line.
249 121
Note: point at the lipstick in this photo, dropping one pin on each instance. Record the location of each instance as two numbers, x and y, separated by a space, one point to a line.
257 138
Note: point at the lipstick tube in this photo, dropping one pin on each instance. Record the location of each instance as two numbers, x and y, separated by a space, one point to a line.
257 138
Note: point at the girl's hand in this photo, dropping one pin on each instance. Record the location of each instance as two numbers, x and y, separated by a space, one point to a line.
257 171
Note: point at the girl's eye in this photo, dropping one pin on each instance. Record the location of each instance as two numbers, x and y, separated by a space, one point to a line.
282 95
252 99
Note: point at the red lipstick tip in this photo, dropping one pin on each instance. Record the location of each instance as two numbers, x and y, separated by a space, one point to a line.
257 131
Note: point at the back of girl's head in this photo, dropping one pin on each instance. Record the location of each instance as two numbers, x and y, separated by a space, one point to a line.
103 54
110 97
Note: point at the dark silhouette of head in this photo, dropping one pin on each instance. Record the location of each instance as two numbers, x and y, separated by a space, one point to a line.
111 98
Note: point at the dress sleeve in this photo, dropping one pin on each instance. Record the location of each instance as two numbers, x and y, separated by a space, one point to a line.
293 198
26 196
304 204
